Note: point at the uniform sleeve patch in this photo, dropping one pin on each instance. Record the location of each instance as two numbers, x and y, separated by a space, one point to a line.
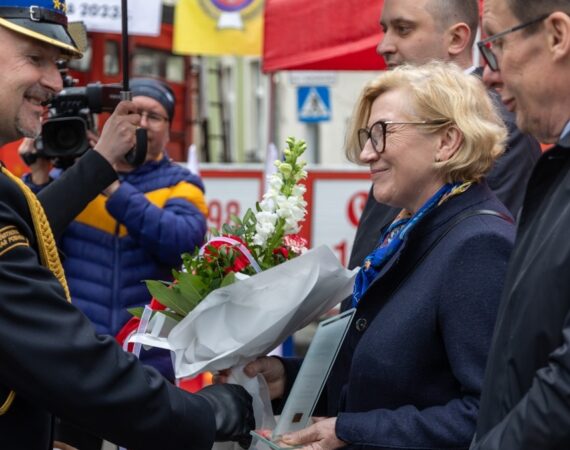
11 237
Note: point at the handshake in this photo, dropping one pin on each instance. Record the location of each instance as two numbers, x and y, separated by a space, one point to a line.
233 412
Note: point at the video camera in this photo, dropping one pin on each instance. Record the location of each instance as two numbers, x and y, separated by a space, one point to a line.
64 132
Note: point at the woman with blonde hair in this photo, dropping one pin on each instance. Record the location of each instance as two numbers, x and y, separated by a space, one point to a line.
410 371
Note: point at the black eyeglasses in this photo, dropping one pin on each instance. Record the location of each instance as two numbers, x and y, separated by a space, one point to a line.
152 117
485 45
377 132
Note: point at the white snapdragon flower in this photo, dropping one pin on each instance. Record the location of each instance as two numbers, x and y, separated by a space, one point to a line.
283 207
275 183
265 205
299 190
271 194
286 169
297 213
268 203
264 227
286 206
300 175
291 226
292 209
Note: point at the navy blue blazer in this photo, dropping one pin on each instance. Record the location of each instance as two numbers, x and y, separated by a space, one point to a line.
410 372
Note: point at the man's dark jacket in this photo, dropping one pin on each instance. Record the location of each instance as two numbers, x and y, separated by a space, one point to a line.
52 358
507 179
526 393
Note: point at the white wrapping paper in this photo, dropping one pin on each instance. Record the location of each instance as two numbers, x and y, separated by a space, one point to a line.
238 323
249 318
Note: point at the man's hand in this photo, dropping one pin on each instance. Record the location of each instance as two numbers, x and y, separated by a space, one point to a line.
118 135
269 367
40 168
62 446
233 412
92 138
112 188
319 436
272 370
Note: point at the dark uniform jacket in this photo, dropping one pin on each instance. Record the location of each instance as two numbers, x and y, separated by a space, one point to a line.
526 394
52 358
507 179
136 234
410 371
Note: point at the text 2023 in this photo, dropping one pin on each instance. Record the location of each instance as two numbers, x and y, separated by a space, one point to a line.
96 10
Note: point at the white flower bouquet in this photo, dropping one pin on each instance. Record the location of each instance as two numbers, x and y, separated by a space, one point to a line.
249 287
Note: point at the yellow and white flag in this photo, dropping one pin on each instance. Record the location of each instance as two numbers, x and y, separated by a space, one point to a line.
218 27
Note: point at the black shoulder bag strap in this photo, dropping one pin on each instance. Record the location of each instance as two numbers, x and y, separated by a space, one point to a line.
460 218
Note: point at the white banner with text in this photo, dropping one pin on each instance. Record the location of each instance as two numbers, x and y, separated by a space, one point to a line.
105 15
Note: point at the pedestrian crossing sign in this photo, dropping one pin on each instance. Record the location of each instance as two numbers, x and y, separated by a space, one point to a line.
313 103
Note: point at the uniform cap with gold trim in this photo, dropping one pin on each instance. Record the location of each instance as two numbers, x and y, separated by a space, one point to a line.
44 20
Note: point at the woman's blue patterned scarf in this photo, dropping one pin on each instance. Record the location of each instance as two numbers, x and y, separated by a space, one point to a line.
395 235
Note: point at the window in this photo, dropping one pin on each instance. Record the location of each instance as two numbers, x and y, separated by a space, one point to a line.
83 64
149 62
175 68
111 61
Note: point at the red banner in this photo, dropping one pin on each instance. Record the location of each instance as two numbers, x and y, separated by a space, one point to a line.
322 35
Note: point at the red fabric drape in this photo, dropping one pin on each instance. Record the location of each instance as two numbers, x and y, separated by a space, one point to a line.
322 35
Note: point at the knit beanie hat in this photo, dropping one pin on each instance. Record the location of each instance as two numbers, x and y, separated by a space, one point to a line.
155 89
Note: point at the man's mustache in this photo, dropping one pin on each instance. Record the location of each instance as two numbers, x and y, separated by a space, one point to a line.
45 96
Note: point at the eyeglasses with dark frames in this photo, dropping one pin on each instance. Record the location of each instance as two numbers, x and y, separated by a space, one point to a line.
377 132
485 45
152 117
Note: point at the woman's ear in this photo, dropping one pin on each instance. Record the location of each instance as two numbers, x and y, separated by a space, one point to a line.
450 140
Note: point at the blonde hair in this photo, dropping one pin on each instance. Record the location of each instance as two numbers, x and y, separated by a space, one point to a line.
440 91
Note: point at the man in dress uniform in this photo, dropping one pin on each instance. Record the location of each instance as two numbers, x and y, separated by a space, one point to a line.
51 360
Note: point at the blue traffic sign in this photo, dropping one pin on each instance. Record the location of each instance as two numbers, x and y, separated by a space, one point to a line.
313 103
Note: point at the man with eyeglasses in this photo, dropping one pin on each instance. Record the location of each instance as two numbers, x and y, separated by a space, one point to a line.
135 230
526 394
415 32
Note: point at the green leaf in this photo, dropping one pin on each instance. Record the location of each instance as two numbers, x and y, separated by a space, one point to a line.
172 315
235 219
192 289
136 312
230 278
169 297
239 233
250 216
213 250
